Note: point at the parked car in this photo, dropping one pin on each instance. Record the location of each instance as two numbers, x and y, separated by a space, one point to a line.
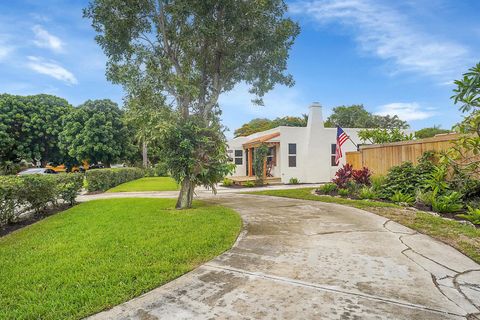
37 171
96 166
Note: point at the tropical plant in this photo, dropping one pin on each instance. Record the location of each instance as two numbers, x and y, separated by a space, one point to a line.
367 193
472 215
249 184
362 176
293 181
436 182
451 202
402 178
343 176
327 188
401 198
343 192
424 197
377 182
227 182
193 51
381 135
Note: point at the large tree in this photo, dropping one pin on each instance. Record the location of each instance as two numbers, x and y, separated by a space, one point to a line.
355 116
29 127
193 51
95 131
262 124
430 132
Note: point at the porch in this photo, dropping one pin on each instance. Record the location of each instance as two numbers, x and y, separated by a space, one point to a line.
270 164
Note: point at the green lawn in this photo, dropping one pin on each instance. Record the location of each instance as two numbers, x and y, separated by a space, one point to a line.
104 252
147 184
465 239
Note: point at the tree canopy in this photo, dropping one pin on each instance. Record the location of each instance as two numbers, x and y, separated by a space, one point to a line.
378 135
29 127
429 132
95 131
262 124
355 116
193 51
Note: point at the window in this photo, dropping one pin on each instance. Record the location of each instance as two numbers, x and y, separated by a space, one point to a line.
292 154
333 155
239 157
271 156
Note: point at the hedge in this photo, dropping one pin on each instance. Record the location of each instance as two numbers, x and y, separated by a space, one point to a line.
104 179
19 194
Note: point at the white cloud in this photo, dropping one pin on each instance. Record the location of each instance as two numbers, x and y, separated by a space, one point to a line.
406 111
390 35
5 48
44 39
52 69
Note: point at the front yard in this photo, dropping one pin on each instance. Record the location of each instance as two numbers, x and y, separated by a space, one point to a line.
101 253
147 184
464 238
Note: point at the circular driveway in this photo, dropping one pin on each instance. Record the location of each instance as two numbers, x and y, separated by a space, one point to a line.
298 259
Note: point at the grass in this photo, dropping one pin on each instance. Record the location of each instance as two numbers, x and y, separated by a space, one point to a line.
464 238
101 253
147 184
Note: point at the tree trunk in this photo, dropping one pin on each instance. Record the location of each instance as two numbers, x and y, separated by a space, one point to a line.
145 154
185 197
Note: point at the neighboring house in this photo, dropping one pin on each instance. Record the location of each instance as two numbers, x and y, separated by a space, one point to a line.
306 153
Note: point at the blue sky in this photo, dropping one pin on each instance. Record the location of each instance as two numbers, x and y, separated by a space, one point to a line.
395 57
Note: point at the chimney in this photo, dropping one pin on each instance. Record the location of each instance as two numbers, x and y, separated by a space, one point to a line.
315 117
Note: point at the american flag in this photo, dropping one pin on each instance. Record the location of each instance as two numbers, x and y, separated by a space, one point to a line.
341 138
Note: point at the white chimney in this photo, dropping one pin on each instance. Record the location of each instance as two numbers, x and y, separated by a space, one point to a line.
315 117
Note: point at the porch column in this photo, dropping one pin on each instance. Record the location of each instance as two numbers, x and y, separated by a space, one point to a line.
264 168
250 164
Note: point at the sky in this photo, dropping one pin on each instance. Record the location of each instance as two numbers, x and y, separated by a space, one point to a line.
394 57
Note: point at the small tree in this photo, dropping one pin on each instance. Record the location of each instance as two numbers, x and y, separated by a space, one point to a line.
261 153
193 51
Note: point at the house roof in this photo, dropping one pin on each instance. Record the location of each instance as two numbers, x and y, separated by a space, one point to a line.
260 140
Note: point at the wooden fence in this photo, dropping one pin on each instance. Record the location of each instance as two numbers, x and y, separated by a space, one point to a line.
381 157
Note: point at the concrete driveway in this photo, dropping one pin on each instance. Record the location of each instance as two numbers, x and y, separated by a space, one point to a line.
301 259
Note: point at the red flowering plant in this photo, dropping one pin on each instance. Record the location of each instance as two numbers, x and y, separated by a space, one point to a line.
343 176
346 174
362 176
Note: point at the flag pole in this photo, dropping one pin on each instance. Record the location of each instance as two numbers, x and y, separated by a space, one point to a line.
356 145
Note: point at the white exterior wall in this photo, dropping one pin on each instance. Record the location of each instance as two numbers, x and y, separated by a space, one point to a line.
313 150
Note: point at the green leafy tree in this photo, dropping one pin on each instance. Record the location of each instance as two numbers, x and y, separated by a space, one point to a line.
430 132
464 156
355 116
95 132
29 127
261 124
383 135
193 51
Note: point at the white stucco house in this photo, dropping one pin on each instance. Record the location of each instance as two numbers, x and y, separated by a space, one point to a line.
306 153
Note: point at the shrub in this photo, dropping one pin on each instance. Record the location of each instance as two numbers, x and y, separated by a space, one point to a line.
19 194
158 170
10 198
343 176
227 182
327 188
362 176
249 184
104 179
69 186
39 191
343 192
472 215
399 197
402 179
367 193
448 203
293 181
